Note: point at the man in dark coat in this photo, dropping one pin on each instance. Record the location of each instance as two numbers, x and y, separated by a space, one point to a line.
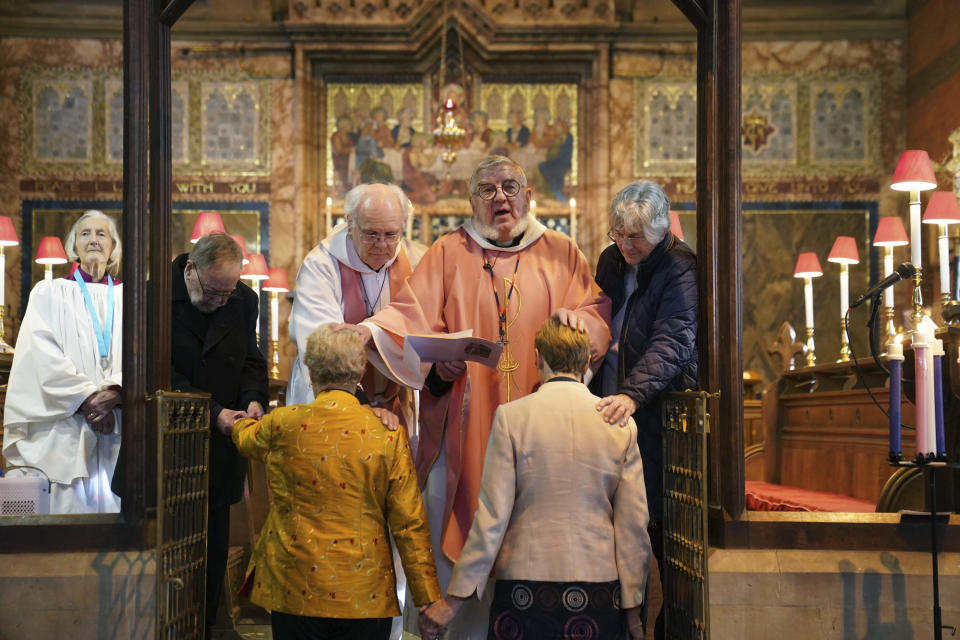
651 278
214 350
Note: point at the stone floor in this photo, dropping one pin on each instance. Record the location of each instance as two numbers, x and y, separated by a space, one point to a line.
254 624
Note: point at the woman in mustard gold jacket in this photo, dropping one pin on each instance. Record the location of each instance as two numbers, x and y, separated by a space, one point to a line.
340 480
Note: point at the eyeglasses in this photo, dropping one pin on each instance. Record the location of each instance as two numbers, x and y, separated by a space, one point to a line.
487 191
633 240
372 237
212 294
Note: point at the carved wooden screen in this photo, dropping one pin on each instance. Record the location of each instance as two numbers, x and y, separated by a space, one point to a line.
183 446
686 601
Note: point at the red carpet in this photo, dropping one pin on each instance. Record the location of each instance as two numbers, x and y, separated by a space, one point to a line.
763 496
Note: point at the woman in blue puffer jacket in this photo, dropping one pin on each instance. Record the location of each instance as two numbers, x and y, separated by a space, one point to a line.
651 277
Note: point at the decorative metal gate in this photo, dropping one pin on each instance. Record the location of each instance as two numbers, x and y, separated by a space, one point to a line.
683 573
183 424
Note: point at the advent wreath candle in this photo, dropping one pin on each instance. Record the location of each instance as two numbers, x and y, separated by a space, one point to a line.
895 363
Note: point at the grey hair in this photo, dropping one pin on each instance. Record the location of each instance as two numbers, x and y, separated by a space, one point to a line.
354 197
495 161
113 262
215 248
334 358
644 207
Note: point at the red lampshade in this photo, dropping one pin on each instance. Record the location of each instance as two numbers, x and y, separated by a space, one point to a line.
844 251
890 233
675 227
942 209
808 266
277 280
8 236
207 222
256 269
914 172
239 240
51 251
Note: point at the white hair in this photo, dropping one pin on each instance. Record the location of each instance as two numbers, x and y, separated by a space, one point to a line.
70 246
351 203
641 206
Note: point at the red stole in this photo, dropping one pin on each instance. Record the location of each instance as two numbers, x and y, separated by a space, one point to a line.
355 311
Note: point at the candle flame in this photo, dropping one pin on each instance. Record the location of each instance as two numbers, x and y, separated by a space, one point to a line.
898 339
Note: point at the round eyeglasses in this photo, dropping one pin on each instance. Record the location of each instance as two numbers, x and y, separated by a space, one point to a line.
487 191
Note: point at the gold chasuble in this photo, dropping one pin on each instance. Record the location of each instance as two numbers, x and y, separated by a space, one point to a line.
466 282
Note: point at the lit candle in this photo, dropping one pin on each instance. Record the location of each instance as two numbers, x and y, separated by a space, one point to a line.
941 444
808 301
887 270
274 316
915 254
844 290
943 244
922 380
573 219
895 362
328 214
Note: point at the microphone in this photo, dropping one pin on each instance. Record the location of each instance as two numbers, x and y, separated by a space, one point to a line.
905 270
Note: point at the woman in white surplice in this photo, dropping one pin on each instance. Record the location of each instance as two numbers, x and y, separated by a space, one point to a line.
62 414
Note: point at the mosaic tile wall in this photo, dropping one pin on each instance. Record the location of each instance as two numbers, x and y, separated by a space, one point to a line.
793 123
73 122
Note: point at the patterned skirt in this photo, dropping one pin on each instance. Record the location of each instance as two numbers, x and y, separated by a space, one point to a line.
531 610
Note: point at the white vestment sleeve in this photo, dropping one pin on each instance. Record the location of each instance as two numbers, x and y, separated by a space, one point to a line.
317 301
45 383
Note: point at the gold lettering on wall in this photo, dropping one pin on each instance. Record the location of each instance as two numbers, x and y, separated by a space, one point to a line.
195 187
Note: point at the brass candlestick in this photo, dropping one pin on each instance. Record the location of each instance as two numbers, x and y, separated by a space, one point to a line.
275 358
811 351
917 314
844 342
891 328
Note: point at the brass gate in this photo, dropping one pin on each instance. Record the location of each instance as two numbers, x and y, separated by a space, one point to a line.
183 443
686 424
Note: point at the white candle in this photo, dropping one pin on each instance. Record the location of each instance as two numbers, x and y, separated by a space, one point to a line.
274 316
915 253
573 219
887 270
844 290
410 224
328 215
930 394
943 243
922 380
808 301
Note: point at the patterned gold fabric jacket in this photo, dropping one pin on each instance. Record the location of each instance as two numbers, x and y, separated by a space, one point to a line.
338 479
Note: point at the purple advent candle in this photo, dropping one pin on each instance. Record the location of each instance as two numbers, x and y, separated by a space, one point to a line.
938 398
895 362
